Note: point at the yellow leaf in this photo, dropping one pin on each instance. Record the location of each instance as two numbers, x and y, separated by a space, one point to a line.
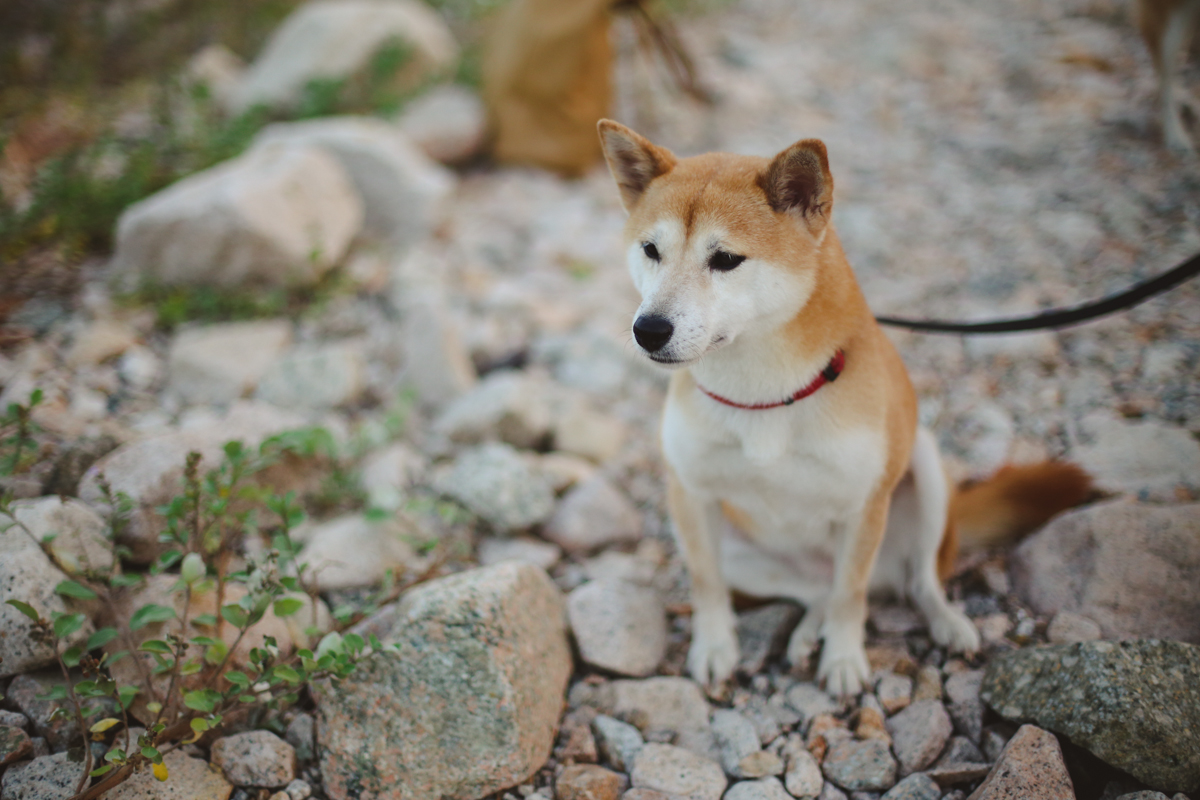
103 725
160 771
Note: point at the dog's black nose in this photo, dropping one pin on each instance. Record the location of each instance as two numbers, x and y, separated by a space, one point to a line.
652 331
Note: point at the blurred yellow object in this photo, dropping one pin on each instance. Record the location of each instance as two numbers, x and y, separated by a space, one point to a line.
547 79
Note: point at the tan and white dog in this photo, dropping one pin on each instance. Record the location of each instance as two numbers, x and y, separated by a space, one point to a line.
797 467
1167 27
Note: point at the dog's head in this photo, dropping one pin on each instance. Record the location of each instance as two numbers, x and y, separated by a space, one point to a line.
719 245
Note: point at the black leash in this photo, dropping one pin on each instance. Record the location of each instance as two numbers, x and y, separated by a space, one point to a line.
1061 317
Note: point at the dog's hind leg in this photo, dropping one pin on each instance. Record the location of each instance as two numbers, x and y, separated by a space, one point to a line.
1167 29
921 519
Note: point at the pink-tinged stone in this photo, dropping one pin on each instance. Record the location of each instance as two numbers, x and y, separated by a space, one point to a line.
469 702
588 782
1030 768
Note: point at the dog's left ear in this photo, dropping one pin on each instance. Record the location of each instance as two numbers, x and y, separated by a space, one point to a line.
632 159
799 182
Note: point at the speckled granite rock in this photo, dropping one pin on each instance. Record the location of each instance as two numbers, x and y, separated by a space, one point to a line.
497 484
588 782
857 766
44 778
915 787
1029 768
919 733
188 779
255 758
619 626
470 703
674 770
14 745
1135 704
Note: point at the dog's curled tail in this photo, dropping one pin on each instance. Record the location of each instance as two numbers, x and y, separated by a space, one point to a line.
1010 504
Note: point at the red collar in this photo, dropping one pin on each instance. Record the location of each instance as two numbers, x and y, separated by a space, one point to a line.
827 375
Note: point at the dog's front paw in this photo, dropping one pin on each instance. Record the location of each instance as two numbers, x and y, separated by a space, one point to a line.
954 631
843 667
714 651
804 640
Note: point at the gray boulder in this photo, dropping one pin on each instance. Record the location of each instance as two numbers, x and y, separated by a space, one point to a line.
274 216
470 702
1134 704
1132 568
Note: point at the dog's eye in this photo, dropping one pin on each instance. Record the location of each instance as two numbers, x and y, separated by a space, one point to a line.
651 251
724 261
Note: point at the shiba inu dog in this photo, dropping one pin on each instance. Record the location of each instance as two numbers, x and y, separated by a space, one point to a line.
1167 27
797 468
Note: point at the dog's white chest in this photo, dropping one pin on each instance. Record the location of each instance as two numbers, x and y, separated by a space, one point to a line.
794 473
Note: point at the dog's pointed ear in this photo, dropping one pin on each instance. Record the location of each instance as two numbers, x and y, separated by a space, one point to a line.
799 182
632 159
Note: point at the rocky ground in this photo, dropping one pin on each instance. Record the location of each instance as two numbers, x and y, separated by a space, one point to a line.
476 374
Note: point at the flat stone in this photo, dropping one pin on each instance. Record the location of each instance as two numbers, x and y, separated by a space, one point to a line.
619 626
1134 704
402 189
14 745
494 482
594 514
665 704
803 778
809 700
1030 768
221 363
448 123
470 702
1146 458
44 778
618 742
255 758
76 532
894 692
26 574
335 40
763 634
316 376
677 771
354 551
508 405
963 703
761 789
1068 628
1110 562
588 782
919 733
493 550
150 470
915 787
188 779
274 216
860 765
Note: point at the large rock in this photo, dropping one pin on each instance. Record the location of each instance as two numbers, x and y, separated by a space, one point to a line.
594 514
1135 704
275 216
336 39
494 482
316 376
619 626
27 574
470 702
1134 569
402 190
1146 458
448 122
76 533
1029 768
353 551
221 363
150 470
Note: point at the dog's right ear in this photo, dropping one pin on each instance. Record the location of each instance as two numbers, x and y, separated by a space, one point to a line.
799 181
632 159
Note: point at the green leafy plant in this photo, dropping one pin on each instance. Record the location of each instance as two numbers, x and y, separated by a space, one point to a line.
191 676
18 448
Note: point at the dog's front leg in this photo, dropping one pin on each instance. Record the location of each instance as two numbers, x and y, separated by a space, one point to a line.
843 666
714 651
